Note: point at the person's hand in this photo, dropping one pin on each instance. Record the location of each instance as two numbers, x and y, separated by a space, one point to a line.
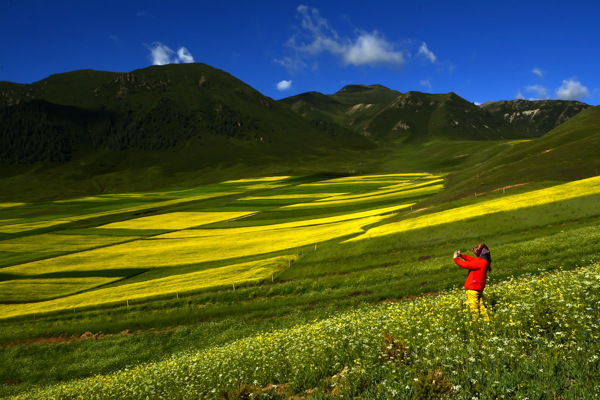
457 254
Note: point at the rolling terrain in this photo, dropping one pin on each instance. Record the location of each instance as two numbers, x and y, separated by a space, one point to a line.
291 249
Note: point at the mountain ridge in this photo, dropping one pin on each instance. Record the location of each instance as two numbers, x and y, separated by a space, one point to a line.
181 124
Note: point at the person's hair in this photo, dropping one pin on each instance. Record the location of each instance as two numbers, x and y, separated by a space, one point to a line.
484 252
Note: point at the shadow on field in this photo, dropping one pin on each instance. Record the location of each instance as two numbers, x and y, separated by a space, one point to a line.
103 273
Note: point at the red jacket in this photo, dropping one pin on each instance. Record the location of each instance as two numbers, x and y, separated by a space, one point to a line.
477 267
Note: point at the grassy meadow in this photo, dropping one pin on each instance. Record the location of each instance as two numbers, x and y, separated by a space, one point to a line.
315 287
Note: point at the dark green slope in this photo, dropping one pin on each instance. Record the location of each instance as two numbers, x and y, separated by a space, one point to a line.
416 117
569 152
389 116
535 117
89 131
157 108
351 107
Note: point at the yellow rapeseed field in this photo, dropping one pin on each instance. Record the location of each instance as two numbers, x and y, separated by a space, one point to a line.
370 197
8 205
290 196
176 220
258 180
228 275
152 253
38 289
194 233
29 226
584 187
56 242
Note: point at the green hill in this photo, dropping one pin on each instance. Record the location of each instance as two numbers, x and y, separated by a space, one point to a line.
570 151
167 124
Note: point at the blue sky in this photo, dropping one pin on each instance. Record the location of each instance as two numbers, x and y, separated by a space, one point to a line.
481 50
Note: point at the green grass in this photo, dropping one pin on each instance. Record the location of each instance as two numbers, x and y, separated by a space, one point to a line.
328 279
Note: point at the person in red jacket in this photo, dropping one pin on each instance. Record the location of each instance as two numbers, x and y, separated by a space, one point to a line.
478 267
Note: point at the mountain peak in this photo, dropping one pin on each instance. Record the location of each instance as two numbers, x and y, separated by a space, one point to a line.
360 88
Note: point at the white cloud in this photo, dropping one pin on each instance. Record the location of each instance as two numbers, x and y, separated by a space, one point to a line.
520 96
538 72
161 55
540 92
369 49
425 52
427 84
184 55
291 64
572 89
366 49
284 85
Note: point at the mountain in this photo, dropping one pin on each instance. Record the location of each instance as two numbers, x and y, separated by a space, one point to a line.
155 108
88 132
352 106
386 115
535 117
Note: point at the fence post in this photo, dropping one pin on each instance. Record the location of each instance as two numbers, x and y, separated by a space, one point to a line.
233 286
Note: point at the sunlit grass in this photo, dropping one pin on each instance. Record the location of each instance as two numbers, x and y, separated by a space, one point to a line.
581 188
176 220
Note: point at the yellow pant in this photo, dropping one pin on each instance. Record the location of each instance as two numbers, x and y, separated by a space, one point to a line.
476 304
